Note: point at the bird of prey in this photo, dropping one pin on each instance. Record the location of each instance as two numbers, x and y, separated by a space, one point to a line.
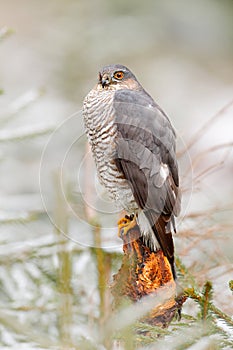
134 148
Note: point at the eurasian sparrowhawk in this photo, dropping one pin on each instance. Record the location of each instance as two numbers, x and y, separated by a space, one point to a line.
134 147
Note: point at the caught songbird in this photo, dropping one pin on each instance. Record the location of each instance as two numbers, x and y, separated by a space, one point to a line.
134 148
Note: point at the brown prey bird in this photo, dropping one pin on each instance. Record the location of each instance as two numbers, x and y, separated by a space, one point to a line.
134 148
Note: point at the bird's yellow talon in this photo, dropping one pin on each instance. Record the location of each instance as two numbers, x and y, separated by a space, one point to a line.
125 224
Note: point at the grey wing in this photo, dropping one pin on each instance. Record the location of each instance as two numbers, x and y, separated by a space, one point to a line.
145 154
147 142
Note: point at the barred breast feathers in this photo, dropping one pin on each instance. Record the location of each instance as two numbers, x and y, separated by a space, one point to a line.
99 116
101 130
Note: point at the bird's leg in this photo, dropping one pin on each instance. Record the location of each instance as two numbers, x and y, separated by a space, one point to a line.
125 224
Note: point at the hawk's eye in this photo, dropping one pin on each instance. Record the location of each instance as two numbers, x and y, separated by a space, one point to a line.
119 75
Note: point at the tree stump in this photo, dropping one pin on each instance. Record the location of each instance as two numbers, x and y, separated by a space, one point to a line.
145 273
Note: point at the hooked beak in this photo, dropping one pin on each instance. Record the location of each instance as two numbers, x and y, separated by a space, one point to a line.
104 79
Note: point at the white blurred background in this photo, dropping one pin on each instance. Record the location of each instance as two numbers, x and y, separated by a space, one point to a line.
50 54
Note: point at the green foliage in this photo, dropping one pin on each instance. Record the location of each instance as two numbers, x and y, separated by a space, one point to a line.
231 285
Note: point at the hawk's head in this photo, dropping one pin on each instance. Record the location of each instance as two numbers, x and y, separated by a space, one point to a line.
115 77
